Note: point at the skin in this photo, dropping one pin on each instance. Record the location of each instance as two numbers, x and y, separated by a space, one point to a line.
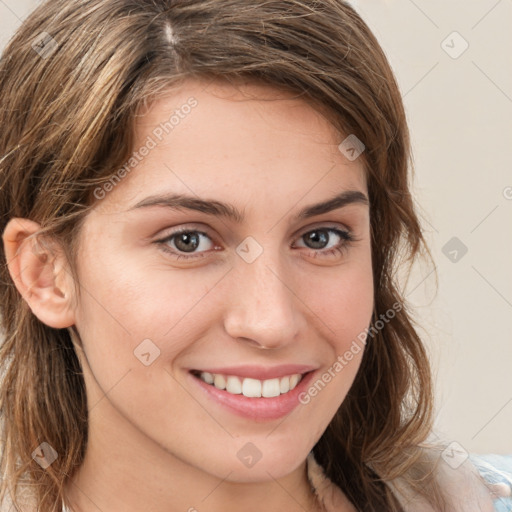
155 442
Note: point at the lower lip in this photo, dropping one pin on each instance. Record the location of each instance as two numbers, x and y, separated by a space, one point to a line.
256 408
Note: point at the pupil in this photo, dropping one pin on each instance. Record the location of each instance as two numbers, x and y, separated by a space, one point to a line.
315 236
187 238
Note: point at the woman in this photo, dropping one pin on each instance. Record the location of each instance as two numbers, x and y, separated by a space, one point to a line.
203 206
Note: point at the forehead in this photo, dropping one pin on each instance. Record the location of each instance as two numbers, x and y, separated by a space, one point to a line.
207 138
241 109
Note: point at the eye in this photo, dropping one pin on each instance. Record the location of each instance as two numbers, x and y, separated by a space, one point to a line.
329 240
186 241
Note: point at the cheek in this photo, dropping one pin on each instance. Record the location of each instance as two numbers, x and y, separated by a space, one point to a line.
137 296
342 302
343 307
126 302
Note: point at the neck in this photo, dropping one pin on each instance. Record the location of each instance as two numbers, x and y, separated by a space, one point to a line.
124 471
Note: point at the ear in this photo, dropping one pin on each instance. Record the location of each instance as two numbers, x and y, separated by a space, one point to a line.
40 273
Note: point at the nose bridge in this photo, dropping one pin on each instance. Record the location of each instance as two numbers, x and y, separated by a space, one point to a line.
262 307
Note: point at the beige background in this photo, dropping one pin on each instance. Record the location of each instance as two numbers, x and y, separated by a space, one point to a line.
460 113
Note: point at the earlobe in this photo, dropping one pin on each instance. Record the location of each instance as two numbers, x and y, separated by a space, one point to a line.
39 273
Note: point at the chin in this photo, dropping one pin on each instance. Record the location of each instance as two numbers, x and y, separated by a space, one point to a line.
251 464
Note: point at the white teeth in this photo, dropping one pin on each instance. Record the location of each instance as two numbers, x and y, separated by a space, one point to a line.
219 381
233 385
270 388
252 388
294 380
207 377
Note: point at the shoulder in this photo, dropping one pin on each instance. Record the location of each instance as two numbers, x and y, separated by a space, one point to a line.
466 482
471 483
474 483
496 471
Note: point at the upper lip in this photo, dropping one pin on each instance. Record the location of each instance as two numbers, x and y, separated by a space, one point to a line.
260 372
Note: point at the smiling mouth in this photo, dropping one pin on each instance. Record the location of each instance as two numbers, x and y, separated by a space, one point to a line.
251 388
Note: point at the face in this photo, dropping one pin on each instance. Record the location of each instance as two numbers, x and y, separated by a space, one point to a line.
206 261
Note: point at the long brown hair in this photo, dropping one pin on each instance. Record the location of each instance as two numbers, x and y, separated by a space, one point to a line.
72 80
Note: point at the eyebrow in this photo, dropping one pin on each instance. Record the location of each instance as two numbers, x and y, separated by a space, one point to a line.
220 209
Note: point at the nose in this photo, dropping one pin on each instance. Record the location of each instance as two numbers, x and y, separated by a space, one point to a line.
262 308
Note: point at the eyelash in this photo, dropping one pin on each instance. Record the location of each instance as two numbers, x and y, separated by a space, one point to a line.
346 236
